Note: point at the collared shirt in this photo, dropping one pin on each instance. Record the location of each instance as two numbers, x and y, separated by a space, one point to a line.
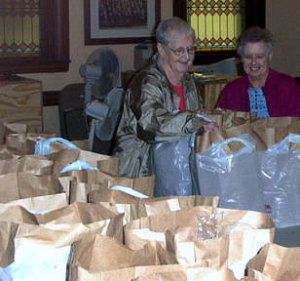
258 104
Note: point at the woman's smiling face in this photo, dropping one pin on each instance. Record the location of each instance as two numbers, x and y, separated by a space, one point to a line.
256 60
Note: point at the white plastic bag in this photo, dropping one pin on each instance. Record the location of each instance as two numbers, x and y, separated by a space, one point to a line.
233 177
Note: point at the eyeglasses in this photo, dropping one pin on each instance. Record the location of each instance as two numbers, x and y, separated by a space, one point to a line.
181 51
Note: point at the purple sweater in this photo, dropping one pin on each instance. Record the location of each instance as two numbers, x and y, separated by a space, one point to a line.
281 91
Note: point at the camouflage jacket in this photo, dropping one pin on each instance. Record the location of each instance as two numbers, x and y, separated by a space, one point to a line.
151 114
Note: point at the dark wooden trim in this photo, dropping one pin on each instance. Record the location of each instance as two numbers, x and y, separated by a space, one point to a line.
50 98
255 13
125 40
54 43
179 9
212 57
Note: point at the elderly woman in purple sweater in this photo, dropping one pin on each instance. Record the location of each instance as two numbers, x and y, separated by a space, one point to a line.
261 90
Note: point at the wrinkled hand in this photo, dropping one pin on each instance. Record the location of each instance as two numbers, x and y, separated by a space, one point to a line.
207 127
210 127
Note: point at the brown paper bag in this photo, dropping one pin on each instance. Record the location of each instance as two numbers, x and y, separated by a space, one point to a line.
85 214
231 124
7 232
21 128
82 144
79 191
151 206
5 152
84 176
109 166
143 185
266 132
62 158
190 218
72 222
190 274
171 272
2 132
92 193
7 162
118 202
97 254
41 204
103 194
49 236
227 119
7 128
249 231
273 130
105 163
37 165
206 140
275 263
22 185
16 214
190 249
158 206
23 144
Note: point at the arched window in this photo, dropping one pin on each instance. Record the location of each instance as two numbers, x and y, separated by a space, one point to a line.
218 23
34 36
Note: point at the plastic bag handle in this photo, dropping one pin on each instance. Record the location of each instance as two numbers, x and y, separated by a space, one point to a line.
43 146
78 165
283 146
215 159
248 146
129 191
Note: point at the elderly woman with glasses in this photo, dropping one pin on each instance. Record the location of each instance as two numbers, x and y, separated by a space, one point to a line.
261 90
161 103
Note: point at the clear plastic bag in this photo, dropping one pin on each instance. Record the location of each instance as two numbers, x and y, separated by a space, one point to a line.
233 177
210 227
280 178
171 162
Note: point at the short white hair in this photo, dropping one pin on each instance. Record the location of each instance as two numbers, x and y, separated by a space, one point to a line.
167 27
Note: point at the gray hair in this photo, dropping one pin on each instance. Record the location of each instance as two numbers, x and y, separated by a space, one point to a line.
168 26
255 34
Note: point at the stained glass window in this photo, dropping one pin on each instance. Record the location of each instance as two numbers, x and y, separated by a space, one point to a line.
19 28
34 36
217 23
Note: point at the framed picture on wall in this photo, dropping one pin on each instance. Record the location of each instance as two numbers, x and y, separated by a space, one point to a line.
118 22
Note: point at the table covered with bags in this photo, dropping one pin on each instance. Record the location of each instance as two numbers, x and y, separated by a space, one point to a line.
66 214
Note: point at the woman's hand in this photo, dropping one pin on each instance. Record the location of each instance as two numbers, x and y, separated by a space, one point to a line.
205 124
210 127
207 127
